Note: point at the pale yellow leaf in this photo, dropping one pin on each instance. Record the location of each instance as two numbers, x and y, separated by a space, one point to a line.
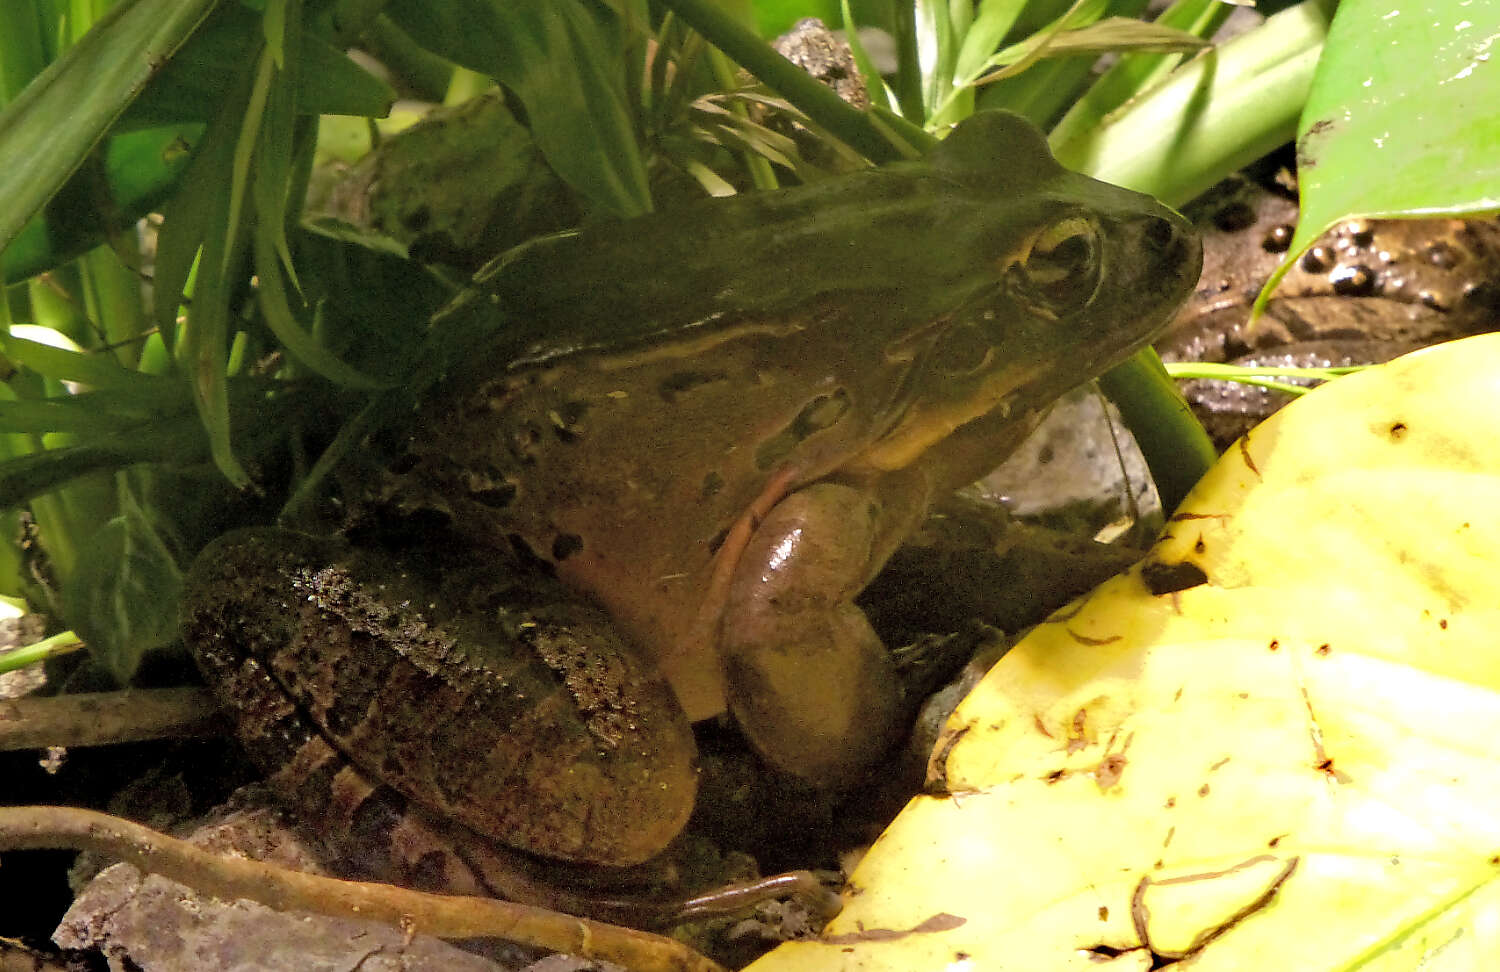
1294 765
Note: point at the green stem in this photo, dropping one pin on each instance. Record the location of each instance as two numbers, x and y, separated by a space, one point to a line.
1176 448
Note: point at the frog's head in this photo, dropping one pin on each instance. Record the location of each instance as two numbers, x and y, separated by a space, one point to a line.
1061 277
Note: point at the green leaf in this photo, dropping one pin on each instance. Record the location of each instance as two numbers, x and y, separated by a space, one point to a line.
46 132
94 370
1411 131
1221 110
562 59
1132 75
139 170
123 597
194 83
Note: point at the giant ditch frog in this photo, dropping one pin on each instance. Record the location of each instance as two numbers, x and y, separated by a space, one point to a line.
708 429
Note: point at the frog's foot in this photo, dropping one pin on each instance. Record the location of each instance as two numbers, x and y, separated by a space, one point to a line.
810 682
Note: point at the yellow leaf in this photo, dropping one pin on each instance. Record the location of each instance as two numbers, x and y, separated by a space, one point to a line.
1292 762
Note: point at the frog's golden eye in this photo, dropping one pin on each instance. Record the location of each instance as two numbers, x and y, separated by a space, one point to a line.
1058 270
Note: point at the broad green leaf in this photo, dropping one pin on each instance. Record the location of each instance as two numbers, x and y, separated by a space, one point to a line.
1274 744
1401 119
138 170
123 597
1223 109
60 116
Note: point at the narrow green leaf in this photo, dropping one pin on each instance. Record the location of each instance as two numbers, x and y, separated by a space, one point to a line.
1125 36
1132 75
94 370
279 317
994 20
854 128
88 413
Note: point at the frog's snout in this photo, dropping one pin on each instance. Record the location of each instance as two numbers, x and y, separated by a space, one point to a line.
1172 248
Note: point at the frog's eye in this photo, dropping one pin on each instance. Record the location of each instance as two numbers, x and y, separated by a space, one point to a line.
1058 270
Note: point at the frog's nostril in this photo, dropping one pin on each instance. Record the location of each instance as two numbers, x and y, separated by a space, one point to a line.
1159 233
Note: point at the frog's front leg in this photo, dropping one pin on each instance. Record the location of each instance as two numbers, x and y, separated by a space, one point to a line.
809 681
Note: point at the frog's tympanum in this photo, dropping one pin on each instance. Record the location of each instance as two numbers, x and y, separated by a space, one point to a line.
710 427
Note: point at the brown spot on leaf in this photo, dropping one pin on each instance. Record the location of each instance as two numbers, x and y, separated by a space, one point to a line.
1161 578
940 922
1244 447
1109 770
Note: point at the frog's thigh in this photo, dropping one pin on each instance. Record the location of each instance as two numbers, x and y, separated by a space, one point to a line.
809 681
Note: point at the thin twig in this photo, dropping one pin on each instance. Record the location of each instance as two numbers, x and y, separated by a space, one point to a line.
445 916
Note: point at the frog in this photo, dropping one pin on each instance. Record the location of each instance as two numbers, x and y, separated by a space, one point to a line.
701 433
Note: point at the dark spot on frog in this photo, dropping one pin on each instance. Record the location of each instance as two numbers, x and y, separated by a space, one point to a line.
497 496
1045 455
355 683
1353 280
1161 578
429 871
523 443
712 483
404 463
417 220
528 558
377 816
565 545
1278 238
1236 216
823 412
1398 430
679 383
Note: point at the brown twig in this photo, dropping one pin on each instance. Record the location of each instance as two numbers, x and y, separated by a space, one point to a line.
30 828
107 717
